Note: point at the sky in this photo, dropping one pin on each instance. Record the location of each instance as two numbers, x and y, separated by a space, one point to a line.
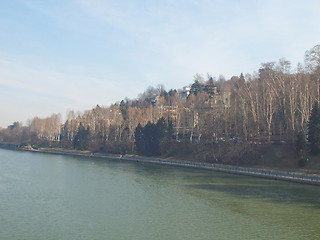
61 55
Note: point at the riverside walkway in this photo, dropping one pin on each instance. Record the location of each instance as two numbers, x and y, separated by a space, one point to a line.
255 172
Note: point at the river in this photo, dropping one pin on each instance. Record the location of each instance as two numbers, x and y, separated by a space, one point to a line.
45 196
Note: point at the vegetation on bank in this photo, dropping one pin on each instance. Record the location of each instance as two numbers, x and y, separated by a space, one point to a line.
235 121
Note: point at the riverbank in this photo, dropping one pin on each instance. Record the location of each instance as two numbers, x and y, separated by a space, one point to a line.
304 178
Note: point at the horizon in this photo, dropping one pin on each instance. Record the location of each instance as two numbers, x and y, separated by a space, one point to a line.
73 55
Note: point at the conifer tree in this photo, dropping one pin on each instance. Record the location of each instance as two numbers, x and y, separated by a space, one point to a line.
314 129
81 139
139 139
301 147
151 140
301 144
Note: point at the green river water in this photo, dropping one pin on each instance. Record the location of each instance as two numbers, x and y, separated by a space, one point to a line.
44 196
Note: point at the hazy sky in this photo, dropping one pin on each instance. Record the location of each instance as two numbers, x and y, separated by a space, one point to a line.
57 55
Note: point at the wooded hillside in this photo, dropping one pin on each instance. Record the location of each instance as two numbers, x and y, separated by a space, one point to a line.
209 117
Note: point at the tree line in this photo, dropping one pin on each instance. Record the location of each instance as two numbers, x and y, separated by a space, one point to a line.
273 105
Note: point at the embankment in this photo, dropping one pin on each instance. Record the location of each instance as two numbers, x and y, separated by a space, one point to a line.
255 172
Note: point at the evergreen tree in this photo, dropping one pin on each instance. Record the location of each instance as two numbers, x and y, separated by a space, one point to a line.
124 109
161 128
172 92
139 139
196 87
151 139
166 141
314 129
301 144
81 139
301 148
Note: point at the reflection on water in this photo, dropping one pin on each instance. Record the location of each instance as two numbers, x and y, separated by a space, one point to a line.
46 196
289 193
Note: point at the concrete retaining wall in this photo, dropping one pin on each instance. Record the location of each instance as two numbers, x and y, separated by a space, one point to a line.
256 172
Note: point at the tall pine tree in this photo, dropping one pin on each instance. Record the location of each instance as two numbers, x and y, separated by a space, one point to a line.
139 139
314 129
301 147
149 140
81 139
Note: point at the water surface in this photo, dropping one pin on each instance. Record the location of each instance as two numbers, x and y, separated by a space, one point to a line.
45 196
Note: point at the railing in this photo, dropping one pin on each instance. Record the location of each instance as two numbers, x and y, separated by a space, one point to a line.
266 173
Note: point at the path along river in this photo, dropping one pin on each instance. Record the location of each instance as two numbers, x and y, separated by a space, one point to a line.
45 196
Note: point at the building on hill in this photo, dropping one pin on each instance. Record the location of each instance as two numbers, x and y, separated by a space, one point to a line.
216 97
211 89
